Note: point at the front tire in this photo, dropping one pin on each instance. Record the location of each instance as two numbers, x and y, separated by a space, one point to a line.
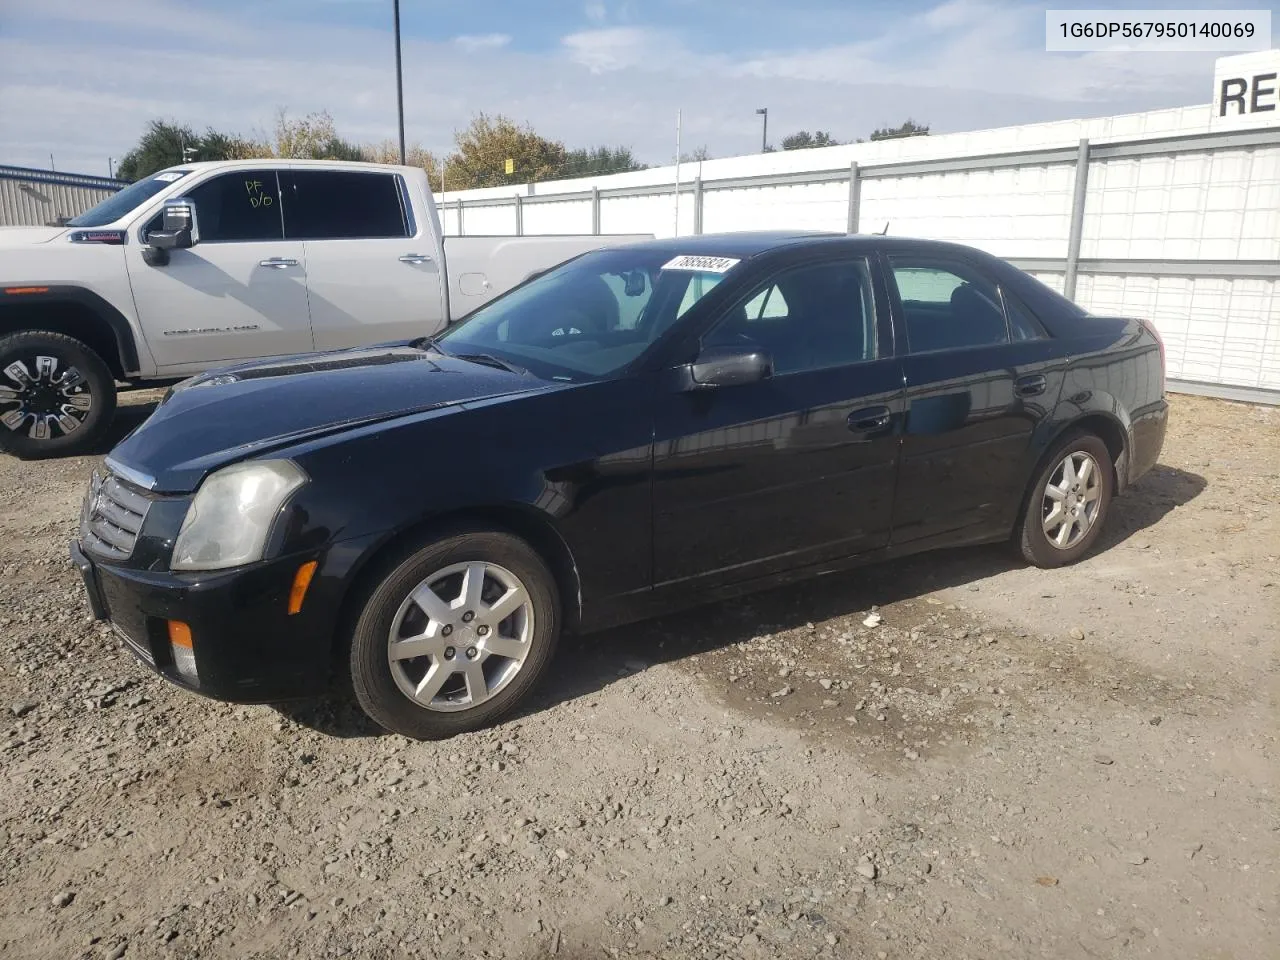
1069 502
57 396
455 635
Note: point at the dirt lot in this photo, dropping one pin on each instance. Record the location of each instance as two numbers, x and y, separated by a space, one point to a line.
1014 763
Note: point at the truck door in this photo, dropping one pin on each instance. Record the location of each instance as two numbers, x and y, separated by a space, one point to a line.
239 293
371 270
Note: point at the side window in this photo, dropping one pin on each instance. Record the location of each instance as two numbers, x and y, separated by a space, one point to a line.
239 207
1022 325
341 205
807 318
947 305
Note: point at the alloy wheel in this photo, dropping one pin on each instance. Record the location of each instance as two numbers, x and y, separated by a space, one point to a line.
1072 499
461 636
43 398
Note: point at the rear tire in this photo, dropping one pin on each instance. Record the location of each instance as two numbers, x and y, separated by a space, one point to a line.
455 635
57 396
1068 502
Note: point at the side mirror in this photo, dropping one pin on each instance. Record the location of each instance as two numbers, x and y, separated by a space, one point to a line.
179 226
728 367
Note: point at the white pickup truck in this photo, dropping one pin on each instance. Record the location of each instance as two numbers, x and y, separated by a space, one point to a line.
208 263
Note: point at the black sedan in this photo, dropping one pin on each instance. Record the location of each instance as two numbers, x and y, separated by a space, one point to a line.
640 429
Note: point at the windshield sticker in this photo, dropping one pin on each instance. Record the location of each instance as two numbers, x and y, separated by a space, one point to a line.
701 264
167 177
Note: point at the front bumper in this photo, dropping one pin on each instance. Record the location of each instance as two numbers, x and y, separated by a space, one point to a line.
248 648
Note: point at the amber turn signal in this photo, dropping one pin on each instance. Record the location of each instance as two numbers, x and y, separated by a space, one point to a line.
301 580
179 634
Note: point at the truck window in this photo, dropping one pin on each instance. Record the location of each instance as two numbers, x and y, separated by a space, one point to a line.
238 207
341 205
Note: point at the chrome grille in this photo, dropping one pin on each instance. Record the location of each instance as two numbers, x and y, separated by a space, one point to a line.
112 516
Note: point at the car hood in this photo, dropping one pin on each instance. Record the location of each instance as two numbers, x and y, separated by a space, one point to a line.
248 410
25 236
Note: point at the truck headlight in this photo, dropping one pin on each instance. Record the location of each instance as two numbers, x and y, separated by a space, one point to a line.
230 518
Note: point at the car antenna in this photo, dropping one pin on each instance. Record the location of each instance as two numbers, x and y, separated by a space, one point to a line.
886 228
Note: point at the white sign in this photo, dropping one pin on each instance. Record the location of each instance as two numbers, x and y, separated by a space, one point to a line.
701 264
1246 91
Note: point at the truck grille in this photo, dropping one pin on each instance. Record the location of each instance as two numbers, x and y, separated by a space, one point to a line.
112 516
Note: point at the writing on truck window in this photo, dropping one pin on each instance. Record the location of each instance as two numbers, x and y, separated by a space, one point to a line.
257 196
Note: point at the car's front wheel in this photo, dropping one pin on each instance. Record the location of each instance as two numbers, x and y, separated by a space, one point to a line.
1069 502
455 635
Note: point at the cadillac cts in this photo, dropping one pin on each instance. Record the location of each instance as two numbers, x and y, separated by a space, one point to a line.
643 428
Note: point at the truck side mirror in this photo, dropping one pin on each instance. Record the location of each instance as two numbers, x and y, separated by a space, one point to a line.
179 226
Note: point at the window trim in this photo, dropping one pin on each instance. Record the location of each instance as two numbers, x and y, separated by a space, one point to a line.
771 280
400 198
901 313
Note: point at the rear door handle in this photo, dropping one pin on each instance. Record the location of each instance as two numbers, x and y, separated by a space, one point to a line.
869 419
1031 386
278 263
415 258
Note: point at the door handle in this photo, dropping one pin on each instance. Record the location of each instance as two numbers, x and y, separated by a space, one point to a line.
278 263
415 258
1031 386
869 419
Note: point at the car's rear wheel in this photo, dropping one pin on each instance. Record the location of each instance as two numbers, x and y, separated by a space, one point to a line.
56 395
1069 502
455 635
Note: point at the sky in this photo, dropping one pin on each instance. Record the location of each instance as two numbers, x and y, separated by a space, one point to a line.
80 79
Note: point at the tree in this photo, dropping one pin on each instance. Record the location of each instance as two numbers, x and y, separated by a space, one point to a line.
313 137
803 140
164 141
484 148
696 156
590 162
908 129
388 151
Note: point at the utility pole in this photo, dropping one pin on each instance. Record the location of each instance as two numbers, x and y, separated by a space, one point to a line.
399 82
111 168
764 129
677 224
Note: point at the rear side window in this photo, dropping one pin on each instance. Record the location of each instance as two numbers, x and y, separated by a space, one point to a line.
341 205
1022 325
947 305
238 207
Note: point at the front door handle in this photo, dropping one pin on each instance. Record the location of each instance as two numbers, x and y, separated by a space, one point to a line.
415 258
869 419
1031 386
278 263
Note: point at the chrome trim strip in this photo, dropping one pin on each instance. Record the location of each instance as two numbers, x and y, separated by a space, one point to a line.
136 477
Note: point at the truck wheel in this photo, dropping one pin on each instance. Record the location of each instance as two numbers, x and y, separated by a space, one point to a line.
57 396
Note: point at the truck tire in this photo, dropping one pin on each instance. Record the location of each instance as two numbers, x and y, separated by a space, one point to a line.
57 396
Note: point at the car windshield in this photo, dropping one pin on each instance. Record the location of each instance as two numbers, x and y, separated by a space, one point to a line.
118 204
590 317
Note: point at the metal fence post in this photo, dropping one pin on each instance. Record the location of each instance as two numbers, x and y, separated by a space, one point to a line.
697 204
1077 220
595 211
460 231
519 215
855 198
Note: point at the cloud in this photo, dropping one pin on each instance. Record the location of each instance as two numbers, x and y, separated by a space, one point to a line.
482 41
620 48
595 11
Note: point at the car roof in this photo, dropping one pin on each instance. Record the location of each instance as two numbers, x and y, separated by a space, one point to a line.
740 245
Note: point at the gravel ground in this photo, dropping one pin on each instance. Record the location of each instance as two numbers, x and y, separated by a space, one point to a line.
953 756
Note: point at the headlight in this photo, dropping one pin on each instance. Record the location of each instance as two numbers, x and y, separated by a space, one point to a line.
230 518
